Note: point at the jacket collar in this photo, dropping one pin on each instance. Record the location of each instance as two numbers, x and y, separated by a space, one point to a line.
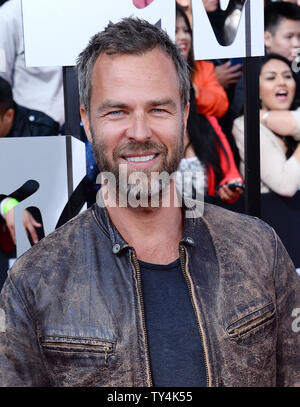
192 212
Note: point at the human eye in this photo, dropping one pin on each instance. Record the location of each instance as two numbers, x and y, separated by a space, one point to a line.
116 113
163 108
269 78
158 110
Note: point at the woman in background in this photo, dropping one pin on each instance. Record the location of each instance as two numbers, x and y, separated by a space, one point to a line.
210 96
206 149
279 128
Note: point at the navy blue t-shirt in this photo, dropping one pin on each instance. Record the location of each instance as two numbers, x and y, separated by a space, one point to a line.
175 346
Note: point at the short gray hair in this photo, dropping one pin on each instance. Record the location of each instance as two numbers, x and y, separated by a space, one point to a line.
129 36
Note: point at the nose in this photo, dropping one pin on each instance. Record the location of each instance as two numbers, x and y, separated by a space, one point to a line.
139 129
282 79
296 41
180 35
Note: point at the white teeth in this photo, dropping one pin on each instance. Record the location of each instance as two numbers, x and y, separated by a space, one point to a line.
141 158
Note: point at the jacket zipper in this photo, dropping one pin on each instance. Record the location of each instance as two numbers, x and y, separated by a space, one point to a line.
69 345
139 281
242 329
182 260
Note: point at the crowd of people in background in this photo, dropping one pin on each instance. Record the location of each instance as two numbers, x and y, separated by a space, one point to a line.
32 104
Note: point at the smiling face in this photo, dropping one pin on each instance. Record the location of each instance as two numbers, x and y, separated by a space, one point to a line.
285 40
277 86
183 37
136 116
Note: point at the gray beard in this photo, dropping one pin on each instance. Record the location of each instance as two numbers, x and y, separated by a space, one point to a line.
132 192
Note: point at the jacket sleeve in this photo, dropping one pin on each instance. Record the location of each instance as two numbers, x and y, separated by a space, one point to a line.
21 363
287 288
211 97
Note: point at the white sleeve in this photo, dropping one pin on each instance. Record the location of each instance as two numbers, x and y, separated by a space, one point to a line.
9 38
281 175
2 204
296 115
239 138
238 134
39 88
277 173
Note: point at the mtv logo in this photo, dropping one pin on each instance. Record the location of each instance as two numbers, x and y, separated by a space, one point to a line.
56 31
75 21
249 38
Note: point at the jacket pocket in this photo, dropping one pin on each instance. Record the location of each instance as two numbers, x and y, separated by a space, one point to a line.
252 322
79 346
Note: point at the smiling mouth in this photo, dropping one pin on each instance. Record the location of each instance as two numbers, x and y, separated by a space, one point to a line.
182 47
282 95
141 158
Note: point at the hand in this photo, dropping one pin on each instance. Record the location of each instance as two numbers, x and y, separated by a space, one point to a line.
227 194
28 221
227 74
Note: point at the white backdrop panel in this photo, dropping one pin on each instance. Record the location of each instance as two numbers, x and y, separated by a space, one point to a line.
56 31
206 45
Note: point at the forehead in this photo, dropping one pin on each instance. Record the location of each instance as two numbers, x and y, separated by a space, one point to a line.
275 65
135 76
180 21
287 25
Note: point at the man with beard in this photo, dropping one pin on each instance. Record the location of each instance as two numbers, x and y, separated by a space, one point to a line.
146 296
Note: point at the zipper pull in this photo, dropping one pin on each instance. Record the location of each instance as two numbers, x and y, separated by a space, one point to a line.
106 349
237 332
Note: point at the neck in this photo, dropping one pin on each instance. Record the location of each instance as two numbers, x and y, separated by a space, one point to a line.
153 232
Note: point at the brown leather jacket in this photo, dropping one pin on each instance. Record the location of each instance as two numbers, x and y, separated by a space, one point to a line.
72 311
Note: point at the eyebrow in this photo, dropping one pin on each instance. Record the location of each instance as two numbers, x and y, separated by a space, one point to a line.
275 72
107 105
162 102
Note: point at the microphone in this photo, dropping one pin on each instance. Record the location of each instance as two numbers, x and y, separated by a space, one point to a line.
28 188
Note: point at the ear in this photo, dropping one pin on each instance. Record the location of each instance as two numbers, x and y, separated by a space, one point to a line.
268 39
186 115
86 122
9 116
